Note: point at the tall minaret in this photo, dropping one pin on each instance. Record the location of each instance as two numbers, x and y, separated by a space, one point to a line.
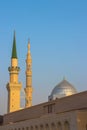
28 89
14 86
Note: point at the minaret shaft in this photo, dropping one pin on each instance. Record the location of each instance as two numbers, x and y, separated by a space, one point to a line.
14 70
28 89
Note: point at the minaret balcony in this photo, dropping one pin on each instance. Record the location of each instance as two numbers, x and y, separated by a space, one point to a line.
13 68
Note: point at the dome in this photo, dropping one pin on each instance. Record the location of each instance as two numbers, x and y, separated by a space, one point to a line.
62 89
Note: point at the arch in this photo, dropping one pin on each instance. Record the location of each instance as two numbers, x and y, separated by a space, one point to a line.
27 128
47 127
86 126
31 128
53 127
36 127
59 126
41 127
66 125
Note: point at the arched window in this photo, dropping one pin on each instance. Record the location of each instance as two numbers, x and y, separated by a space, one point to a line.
27 128
66 125
31 128
86 127
53 126
47 127
59 126
41 127
36 127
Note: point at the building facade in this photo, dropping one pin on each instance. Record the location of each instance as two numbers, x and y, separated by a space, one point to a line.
68 113
66 109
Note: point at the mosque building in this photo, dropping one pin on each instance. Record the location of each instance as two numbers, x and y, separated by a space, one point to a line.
66 109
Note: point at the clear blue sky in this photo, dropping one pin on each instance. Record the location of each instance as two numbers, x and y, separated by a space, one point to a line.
58 33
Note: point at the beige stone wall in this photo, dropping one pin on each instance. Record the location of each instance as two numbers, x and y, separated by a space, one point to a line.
25 114
14 96
62 114
58 106
46 122
82 120
73 102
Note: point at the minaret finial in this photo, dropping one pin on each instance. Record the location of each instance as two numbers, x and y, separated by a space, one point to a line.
28 45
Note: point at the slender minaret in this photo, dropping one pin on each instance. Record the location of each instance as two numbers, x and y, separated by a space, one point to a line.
28 89
14 87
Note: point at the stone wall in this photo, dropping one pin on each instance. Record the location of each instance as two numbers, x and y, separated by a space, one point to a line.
66 104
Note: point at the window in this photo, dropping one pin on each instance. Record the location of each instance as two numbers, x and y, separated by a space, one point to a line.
41 127
53 126
86 127
36 127
31 128
59 126
49 108
27 128
66 125
47 127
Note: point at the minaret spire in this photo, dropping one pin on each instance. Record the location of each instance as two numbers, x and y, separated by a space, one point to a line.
28 89
29 53
29 46
14 51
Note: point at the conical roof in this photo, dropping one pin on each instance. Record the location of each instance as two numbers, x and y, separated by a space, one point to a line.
14 51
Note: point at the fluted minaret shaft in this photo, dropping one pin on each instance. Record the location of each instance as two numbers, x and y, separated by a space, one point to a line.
28 89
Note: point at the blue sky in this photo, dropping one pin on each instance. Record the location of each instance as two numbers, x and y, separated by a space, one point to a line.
58 34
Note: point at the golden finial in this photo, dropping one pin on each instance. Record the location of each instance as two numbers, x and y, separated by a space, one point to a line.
29 45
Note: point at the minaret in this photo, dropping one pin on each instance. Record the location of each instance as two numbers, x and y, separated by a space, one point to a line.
14 86
28 89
